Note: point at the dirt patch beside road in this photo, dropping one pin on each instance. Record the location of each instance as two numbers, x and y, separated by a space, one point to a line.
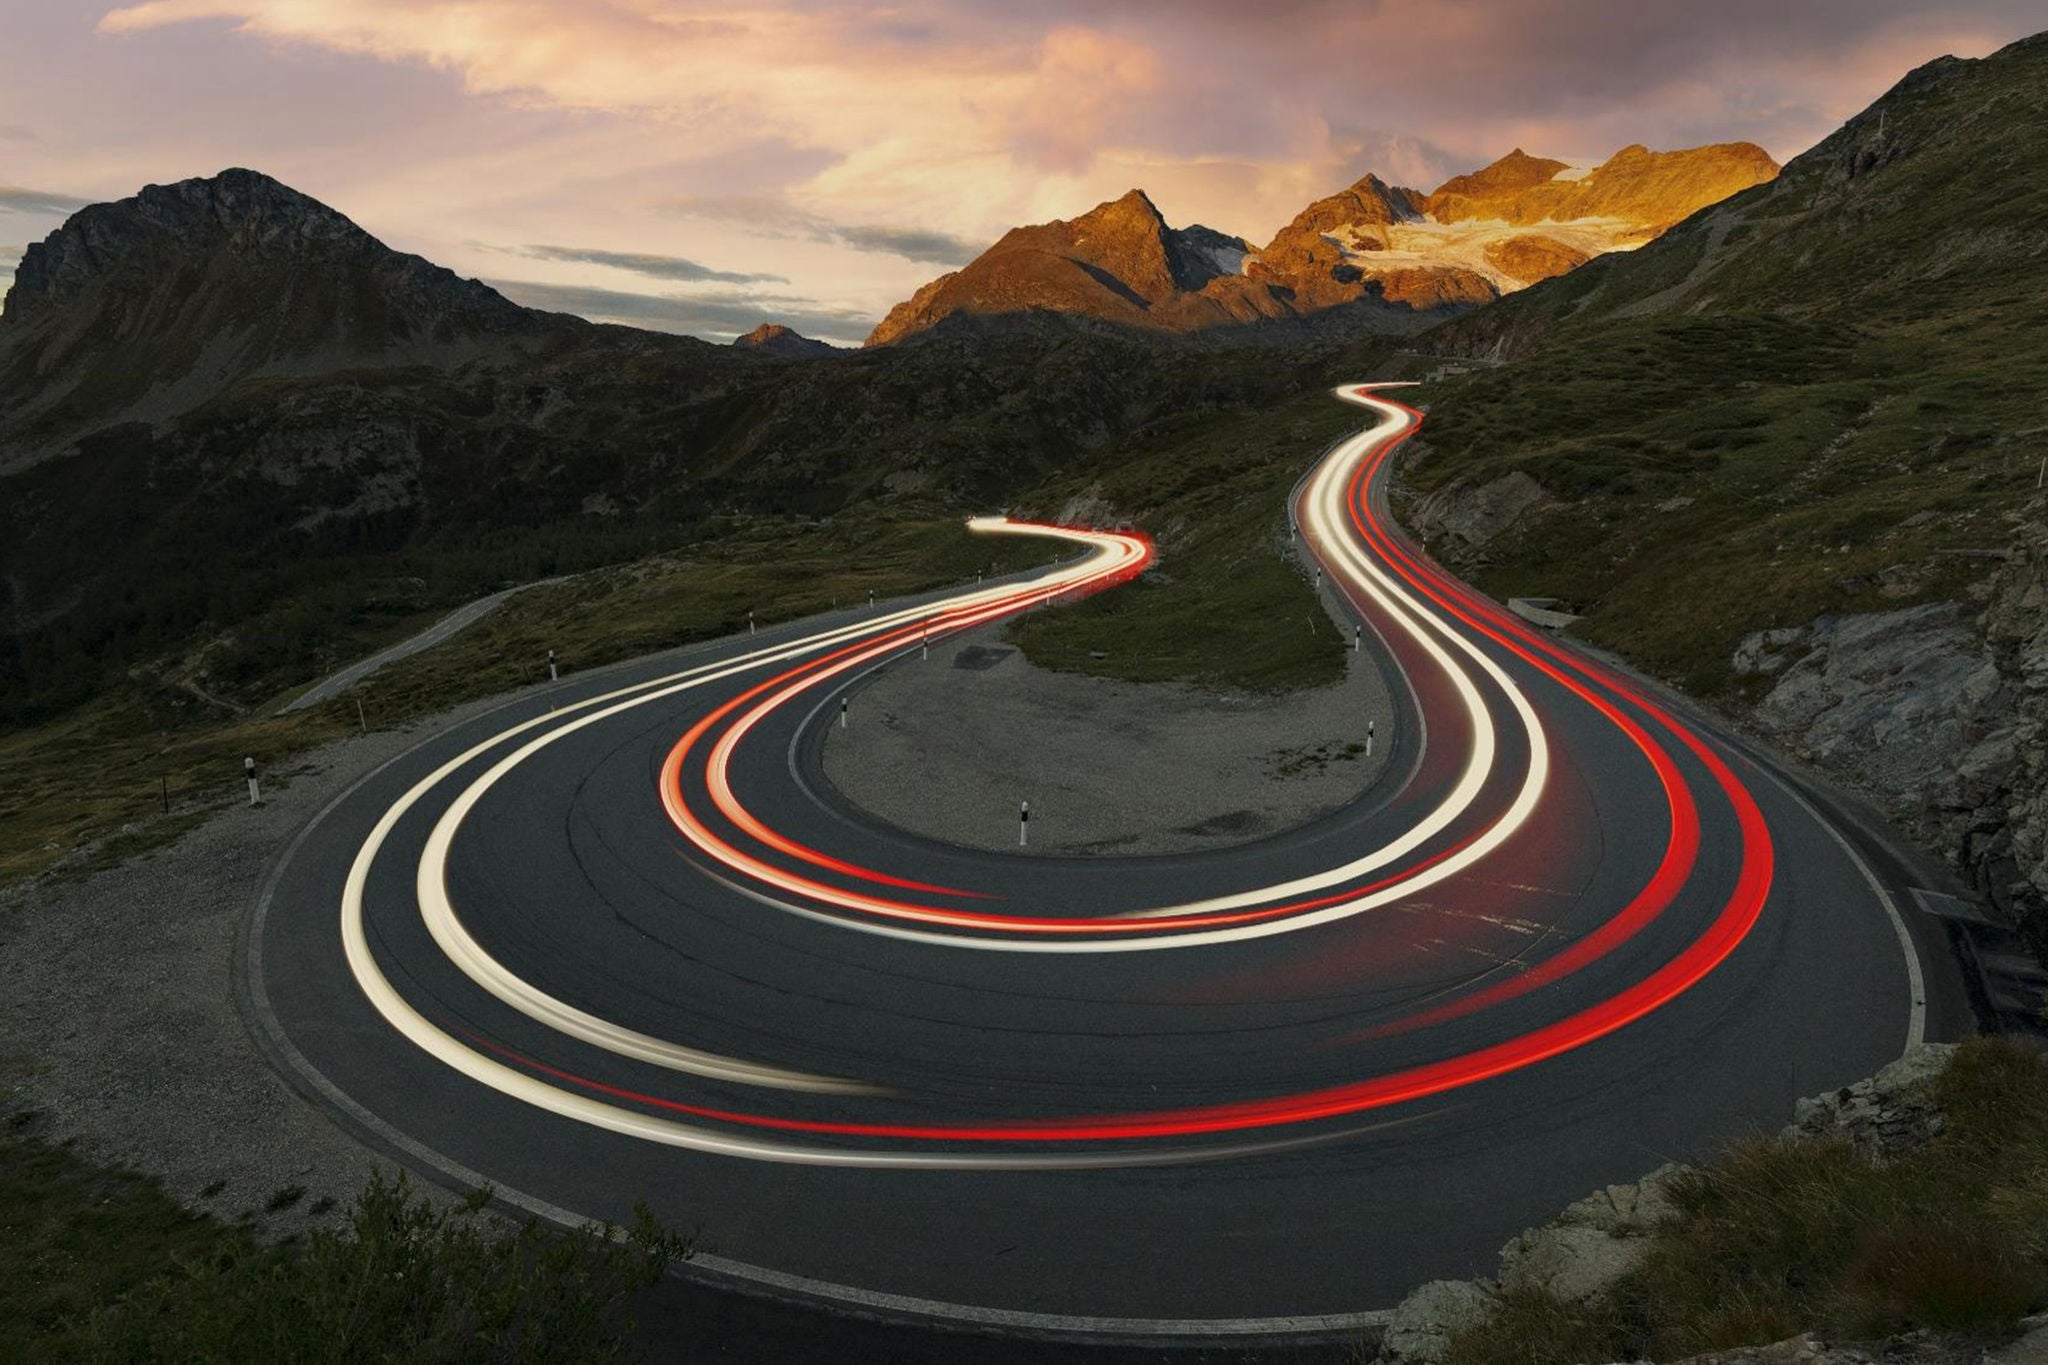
948 746
118 1024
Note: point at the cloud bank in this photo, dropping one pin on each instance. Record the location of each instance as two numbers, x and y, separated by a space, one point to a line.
767 216
707 314
658 267
856 147
14 199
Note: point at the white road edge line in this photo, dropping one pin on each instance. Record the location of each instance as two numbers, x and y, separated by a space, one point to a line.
1916 977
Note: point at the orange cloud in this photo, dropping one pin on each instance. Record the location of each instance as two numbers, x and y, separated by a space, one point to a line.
935 122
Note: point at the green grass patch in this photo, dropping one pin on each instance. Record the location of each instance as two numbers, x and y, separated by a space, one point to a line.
1226 606
99 1264
1731 473
1775 1237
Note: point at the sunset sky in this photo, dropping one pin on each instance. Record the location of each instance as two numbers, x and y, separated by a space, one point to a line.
703 167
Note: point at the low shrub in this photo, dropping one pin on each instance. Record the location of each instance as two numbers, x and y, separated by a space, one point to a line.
1773 1237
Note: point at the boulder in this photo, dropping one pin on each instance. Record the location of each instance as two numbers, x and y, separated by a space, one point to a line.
1885 1116
1803 1349
2030 1349
1421 1328
1584 1250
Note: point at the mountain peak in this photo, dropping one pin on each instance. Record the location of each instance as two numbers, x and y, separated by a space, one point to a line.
1118 262
1134 212
239 210
238 207
1650 189
202 283
1515 171
772 338
1379 249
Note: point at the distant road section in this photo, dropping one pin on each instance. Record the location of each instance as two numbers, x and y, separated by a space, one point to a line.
448 626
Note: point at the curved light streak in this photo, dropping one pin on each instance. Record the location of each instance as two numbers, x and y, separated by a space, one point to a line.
1327 497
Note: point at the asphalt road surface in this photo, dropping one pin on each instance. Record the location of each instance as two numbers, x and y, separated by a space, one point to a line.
619 940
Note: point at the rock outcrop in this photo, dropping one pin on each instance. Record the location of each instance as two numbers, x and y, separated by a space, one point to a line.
1585 1250
1424 1323
1532 257
1458 520
1594 1242
1939 712
1884 1117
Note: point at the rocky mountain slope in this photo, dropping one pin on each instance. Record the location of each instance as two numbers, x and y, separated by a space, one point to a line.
229 418
137 309
1119 263
1636 185
1392 257
1790 453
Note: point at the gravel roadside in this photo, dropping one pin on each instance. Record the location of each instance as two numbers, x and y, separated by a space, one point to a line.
947 747
118 1024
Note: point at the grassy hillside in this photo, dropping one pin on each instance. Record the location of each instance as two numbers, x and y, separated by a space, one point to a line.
1818 396
1226 607
99 1264
93 784
1727 473
269 532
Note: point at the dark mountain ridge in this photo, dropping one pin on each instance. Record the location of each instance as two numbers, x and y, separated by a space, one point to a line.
221 401
137 310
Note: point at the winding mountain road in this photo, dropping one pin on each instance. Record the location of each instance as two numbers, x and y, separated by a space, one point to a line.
619 939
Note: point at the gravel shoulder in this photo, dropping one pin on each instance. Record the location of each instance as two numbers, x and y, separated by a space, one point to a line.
947 747
118 1023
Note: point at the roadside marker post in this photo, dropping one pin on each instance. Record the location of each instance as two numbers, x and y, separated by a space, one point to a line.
249 771
1371 730
842 713
554 674
871 599
1357 638
927 639
750 621
1023 823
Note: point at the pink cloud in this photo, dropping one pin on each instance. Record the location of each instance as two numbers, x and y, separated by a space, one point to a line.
956 119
